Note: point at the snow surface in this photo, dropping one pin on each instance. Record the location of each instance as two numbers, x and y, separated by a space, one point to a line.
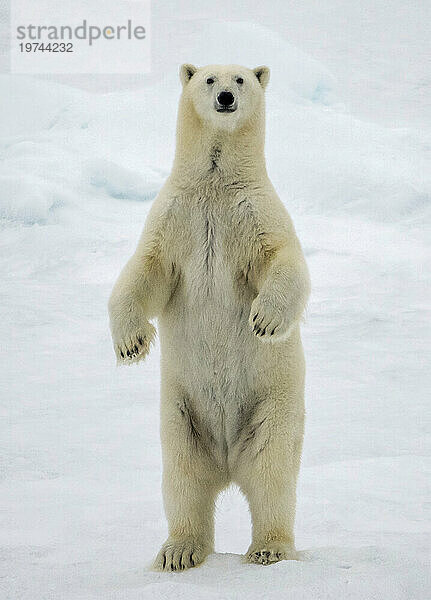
80 492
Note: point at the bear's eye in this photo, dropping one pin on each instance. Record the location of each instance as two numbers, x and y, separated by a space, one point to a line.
210 80
239 80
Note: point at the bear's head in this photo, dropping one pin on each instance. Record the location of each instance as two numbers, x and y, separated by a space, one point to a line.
225 97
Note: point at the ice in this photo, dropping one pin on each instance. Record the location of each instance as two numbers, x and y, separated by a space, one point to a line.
82 513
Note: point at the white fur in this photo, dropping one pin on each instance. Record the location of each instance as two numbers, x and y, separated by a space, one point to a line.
220 267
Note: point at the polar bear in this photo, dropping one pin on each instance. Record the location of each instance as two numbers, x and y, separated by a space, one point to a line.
221 269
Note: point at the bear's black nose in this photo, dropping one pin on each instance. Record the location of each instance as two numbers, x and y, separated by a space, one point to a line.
225 98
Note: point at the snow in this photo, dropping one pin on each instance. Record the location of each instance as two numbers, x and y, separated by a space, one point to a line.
80 492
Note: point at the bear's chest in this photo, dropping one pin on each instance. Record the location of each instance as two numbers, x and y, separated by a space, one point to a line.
214 261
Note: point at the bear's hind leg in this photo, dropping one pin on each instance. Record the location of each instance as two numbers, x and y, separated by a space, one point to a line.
191 483
266 470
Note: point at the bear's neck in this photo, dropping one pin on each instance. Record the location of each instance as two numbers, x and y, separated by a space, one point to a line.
205 155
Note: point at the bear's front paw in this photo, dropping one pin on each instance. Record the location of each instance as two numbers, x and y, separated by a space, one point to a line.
268 321
132 344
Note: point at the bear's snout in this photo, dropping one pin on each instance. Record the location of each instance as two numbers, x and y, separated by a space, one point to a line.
225 102
225 98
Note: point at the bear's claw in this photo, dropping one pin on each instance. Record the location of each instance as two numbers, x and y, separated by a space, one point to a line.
267 321
177 555
271 553
265 557
136 352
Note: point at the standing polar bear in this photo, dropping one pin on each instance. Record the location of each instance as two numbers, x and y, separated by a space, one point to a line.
220 267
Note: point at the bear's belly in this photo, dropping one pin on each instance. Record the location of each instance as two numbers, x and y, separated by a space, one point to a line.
209 349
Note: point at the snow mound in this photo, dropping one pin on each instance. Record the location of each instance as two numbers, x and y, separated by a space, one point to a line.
293 73
119 182
28 200
23 112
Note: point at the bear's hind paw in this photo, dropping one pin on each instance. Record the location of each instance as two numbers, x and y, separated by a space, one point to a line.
271 553
177 555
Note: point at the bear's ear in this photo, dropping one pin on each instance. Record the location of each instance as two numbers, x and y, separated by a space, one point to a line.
186 73
262 74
